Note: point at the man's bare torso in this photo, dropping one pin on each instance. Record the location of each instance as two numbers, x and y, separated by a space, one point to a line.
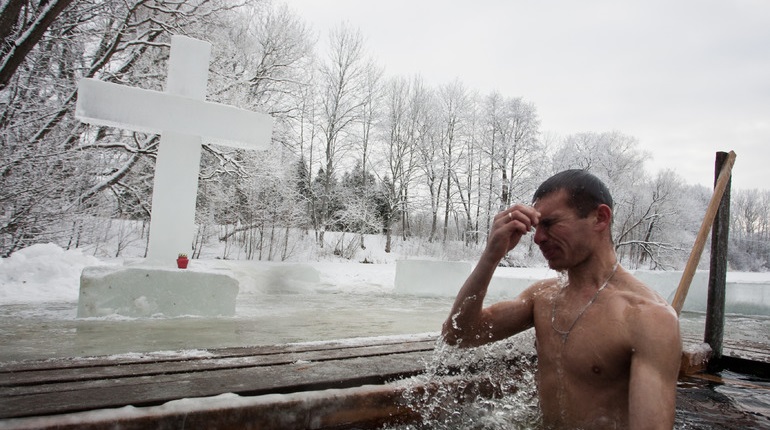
583 375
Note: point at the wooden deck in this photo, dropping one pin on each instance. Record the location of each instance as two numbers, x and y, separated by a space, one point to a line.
40 388
322 385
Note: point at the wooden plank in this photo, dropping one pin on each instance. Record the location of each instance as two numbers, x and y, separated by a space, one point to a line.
69 373
753 351
153 390
154 357
70 387
359 407
369 406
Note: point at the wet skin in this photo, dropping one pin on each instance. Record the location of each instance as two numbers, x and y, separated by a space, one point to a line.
617 366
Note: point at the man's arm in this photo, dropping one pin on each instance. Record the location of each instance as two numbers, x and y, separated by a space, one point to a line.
654 369
469 324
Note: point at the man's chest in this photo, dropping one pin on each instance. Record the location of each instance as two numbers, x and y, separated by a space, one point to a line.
595 349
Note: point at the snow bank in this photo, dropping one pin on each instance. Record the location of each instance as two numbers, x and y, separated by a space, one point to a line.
42 273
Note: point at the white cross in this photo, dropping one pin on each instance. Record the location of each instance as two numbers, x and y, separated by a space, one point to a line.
182 117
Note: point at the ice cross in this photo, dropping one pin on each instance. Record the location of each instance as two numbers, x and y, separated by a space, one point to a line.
182 117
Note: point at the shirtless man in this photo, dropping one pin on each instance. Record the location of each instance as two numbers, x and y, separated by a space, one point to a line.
608 347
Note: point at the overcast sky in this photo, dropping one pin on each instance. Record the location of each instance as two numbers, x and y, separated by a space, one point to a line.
687 78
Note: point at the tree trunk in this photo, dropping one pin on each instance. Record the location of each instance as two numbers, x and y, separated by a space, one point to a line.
28 37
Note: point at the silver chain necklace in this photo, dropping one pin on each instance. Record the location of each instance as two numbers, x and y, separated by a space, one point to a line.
565 334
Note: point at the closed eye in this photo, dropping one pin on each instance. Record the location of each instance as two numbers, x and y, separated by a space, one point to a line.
546 223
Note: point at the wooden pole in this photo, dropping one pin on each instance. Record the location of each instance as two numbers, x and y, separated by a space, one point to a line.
700 240
715 308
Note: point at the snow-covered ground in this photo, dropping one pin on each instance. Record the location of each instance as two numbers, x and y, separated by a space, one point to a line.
42 273
48 273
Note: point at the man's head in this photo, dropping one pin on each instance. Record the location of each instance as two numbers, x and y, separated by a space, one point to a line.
575 218
585 191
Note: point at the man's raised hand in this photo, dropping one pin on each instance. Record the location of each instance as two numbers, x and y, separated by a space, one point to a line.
509 226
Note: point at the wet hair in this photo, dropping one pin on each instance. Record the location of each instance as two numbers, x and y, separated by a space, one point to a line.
585 191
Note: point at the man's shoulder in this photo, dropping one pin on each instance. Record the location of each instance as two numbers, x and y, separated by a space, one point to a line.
637 292
543 288
639 302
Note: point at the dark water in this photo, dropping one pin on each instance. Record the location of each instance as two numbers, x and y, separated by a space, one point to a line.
737 402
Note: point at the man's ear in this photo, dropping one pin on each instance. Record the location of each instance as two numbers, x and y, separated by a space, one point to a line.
603 217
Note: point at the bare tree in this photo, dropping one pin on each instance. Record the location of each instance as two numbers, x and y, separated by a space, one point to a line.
467 172
429 147
343 78
749 236
261 62
22 25
370 116
491 136
419 130
405 107
452 101
649 236
54 169
519 153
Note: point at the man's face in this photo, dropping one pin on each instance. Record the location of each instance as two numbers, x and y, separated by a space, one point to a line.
563 237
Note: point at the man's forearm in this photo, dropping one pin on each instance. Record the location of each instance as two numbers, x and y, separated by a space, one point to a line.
465 319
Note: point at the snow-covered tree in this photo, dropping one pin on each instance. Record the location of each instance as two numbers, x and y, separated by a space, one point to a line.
343 79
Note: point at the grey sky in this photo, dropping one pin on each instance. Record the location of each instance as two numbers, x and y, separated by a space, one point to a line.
687 78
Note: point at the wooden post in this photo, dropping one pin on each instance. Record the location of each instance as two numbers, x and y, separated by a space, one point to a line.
700 240
715 308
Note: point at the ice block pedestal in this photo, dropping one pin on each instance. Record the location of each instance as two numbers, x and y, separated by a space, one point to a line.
145 291
430 278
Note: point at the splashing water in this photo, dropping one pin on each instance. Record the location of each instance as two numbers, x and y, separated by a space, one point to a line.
489 387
